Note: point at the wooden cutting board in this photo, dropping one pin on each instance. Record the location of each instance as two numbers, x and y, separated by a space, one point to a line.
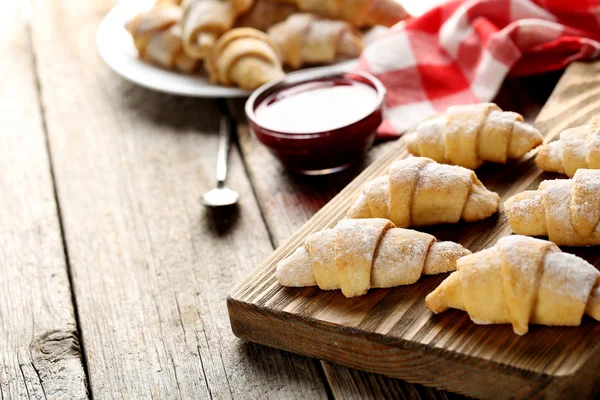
391 332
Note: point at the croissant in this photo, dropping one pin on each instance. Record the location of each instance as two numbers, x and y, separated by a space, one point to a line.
418 191
521 280
565 210
307 39
157 37
576 148
368 253
357 12
245 57
471 134
205 20
164 2
265 14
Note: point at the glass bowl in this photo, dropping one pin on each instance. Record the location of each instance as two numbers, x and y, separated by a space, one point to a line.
319 152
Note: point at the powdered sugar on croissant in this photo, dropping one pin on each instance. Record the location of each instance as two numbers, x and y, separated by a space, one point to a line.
576 148
565 210
471 134
369 253
418 191
521 280
307 39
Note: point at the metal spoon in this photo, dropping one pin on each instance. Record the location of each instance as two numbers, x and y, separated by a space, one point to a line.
221 195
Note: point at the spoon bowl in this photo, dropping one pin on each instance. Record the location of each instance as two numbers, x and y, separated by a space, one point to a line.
220 197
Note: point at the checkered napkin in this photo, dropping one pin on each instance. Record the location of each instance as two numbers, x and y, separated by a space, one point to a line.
460 52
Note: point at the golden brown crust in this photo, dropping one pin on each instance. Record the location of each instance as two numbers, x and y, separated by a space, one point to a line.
366 253
565 210
521 280
418 192
244 57
468 135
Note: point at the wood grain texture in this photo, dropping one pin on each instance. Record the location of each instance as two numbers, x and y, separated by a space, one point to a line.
391 331
39 347
151 267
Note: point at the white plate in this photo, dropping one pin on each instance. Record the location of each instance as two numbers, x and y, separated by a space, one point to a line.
116 48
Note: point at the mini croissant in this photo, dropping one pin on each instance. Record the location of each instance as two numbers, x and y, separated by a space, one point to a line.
308 39
245 57
264 14
369 253
205 20
565 210
576 148
357 12
521 280
157 37
418 191
471 134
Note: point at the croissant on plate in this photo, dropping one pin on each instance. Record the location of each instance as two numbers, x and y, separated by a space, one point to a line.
521 280
157 37
244 57
470 134
205 20
264 14
368 253
307 39
576 148
358 12
565 210
418 191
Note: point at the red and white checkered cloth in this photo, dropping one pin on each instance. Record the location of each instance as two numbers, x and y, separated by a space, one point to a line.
461 51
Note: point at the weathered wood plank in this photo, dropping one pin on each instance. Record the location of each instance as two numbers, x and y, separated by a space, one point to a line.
289 200
151 267
39 347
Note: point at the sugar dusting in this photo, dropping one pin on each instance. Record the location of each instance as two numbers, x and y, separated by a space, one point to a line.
523 208
572 276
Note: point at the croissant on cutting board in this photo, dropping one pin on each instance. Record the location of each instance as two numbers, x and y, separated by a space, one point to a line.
307 39
576 148
470 134
565 210
157 37
368 253
357 12
245 57
521 280
205 20
417 191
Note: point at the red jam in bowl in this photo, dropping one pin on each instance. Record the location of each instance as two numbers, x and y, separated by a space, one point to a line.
317 123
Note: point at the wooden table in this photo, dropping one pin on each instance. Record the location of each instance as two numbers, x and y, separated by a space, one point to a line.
113 277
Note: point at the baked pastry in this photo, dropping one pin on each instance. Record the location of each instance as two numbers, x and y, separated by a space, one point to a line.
565 210
171 2
307 39
470 134
521 280
418 191
358 12
368 253
264 14
576 148
157 37
205 20
244 57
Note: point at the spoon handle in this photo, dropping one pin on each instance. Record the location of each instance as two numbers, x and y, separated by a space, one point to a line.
224 138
